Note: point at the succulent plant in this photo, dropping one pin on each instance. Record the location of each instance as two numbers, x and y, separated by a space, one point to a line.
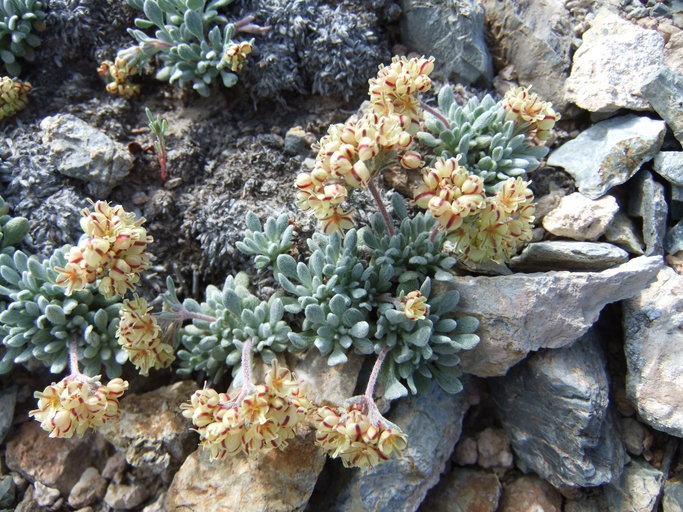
267 242
12 229
40 319
490 145
235 315
191 39
13 96
19 20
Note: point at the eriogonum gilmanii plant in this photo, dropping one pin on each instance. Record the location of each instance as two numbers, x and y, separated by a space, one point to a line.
114 252
526 107
19 22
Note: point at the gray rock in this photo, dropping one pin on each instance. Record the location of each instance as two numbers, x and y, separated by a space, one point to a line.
580 218
536 38
665 93
593 503
673 497
27 503
649 203
464 490
541 256
455 38
636 490
669 165
89 489
8 492
530 493
676 204
433 422
8 398
78 150
674 239
523 313
297 141
609 152
466 453
633 435
554 408
613 64
653 325
43 495
493 449
125 497
623 232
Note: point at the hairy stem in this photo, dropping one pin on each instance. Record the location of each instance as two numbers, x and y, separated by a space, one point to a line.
73 356
381 207
184 314
436 114
245 367
372 381
434 233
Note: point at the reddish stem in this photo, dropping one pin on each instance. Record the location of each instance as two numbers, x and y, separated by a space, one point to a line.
436 114
372 382
381 207
73 357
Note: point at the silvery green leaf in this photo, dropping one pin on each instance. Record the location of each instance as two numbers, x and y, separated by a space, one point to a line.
394 317
315 314
420 337
338 305
448 382
229 79
446 325
445 98
55 314
195 23
261 261
467 324
466 341
153 12
393 389
426 288
276 311
195 4
324 345
338 356
363 346
360 330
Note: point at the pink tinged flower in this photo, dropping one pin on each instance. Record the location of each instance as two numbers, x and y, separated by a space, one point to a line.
338 220
72 276
411 160
358 176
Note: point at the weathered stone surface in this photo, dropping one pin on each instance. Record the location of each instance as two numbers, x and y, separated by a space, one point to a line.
328 383
297 141
609 152
27 503
455 38
613 64
43 495
90 488
149 429
664 91
535 37
277 481
623 232
464 490
466 453
433 422
669 165
633 435
125 497
8 398
78 150
530 493
636 490
673 242
554 408
653 322
493 449
649 202
580 218
8 492
673 497
53 462
523 313
676 204
541 256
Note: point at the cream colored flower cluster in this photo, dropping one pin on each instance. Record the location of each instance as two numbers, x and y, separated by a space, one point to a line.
118 74
351 436
415 305
395 89
140 336
237 53
263 419
523 106
77 403
13 96
483 227
115 252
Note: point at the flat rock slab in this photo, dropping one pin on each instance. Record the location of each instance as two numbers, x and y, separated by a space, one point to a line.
653 323
523 313
609 152
674 239
593 256
554 408
581 218
613 63
664 91
669 165
433 422
636 490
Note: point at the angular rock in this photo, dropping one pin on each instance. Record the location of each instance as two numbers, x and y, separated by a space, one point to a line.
613 63
53 462
466 453
278 481
580 218
27 503
493 449
455 38
78 150
125 497
43 495
669 165
609 152
8 492
676 205
653 325
433 423
554 408
636 490
664 92
90 488
673 497
623 232
530 493
297 141
633 435
150 431
464 490
328 383
673 242
523 313
594 256
8 398
649 203
536 38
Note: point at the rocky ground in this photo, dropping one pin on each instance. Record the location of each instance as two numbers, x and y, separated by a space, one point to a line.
574 396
